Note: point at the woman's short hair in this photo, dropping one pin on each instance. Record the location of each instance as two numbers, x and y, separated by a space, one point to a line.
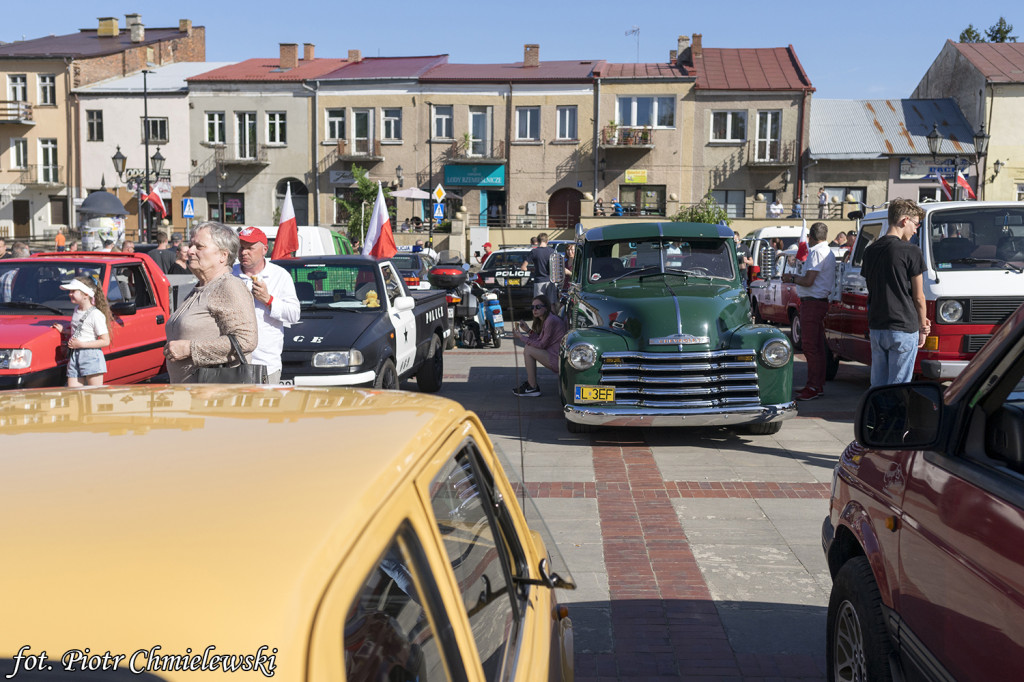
223 237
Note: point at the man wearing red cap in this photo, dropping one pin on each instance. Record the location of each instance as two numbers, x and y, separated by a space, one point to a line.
273 293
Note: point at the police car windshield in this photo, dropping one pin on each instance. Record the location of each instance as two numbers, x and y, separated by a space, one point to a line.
506 259
320 285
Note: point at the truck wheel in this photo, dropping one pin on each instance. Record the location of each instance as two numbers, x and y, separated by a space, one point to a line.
430 375
831 364
764 429
387 377
796 331
858 646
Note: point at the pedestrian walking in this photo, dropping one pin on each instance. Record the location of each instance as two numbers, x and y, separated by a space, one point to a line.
813 288
90 332
897 317
540 344
60 241
163 254
273 295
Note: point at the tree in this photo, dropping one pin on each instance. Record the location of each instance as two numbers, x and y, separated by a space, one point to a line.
1000 32
365 192
706 211
971 35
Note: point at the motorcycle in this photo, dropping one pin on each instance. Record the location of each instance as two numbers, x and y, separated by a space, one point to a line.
474 314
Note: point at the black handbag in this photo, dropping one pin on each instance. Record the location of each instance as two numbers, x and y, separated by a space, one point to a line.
242 373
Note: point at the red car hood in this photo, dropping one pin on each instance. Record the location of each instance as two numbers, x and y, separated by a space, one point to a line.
30 331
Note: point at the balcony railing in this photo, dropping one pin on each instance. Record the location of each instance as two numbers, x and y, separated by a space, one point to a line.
250 155
636 137
476 151
15 112
359 150
771 153
38 174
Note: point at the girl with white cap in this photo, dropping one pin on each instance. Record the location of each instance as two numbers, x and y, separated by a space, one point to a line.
90 332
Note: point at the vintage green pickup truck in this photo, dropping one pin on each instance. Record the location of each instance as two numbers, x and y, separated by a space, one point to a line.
660 334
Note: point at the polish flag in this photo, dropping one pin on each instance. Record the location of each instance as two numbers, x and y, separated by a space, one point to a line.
962 181
287 241
801 249
380 242
946 189
156 202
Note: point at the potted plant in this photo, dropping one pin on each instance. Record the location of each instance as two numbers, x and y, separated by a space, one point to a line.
467 139
613 132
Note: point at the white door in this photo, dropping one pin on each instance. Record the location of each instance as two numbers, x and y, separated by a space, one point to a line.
400 312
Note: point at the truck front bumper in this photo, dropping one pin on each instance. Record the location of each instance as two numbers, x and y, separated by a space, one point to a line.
361 379
942 369
601 415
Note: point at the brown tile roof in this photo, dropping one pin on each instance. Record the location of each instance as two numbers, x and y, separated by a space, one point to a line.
84 44
574 71
387 67
998 62
773 68
269 71
644 71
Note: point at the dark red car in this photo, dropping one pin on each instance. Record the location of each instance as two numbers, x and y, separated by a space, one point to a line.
925 535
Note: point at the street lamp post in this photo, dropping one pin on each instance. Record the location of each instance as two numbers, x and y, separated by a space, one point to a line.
981 139
120 161
430 169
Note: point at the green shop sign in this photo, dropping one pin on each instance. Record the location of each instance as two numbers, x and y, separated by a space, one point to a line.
477 175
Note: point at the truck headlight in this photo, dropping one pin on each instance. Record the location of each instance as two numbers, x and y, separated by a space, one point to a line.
582 356
338 358
776 353
15 358
950 311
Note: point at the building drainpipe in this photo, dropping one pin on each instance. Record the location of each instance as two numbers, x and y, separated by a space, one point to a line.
313 147
597 132
74 160
508 153
798 192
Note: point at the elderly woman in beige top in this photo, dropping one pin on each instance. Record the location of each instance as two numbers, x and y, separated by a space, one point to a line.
219 305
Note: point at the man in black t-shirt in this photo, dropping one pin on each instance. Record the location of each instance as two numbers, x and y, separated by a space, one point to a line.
539 258
897 319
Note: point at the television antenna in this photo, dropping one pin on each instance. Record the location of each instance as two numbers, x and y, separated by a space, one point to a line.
635 31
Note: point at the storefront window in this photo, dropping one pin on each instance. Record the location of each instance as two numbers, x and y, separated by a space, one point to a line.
642 199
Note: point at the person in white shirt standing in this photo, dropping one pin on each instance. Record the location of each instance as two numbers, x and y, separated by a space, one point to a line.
273 293
813 288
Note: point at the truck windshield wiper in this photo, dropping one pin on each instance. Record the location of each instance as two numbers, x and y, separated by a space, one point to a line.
637 273
997 261
31 304
678 272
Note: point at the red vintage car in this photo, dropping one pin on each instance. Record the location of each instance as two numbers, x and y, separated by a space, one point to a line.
925 533
777 303
33 354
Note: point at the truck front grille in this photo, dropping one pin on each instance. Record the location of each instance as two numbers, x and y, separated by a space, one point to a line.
992 310
974 342
720 378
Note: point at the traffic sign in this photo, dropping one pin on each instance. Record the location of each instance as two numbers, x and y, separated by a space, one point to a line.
438 211
439 193
188 208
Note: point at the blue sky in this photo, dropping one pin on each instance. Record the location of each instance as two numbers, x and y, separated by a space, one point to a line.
863 50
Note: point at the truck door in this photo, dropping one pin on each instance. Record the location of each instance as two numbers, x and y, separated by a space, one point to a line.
402 318
136 339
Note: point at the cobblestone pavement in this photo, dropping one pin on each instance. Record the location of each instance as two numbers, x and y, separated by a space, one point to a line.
697 552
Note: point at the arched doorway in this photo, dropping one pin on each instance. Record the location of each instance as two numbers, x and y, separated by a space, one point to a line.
300 200
564 209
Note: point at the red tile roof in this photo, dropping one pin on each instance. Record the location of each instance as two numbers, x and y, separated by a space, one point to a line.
84 44
774 68
644 71
574 71
998 62
269 70
387 67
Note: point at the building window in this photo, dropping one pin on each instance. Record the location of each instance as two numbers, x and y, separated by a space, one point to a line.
335 124
233 211
479 131
642 199
48 169
391 122
47 89
19 153
94 124
728 126
443 116
856 194
657 112
528 123
215 128
277 128
769 135
567 123
157 130
1020 191
245 134
734 201
17 87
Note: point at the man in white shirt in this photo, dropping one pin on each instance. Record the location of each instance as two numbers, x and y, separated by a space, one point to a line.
813 288
273 293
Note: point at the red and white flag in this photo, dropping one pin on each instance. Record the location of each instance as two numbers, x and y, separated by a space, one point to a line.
156 202
946 189
380 242
287 241
801 249
962 181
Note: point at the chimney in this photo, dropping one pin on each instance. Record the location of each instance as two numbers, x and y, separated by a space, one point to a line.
698 51
289 56
132 19
307 52
683 54
185 26
531 55
672 56
108 28
355 56
138 32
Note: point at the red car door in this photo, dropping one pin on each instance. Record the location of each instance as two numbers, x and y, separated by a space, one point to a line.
137 340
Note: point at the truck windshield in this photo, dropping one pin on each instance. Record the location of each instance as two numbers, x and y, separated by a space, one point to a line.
608 260
29 287
971 238
321 285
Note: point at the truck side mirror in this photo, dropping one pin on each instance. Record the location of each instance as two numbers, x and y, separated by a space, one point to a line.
904 416
556 267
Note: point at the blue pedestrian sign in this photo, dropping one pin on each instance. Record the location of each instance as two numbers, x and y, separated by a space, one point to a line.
188 208
438 211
